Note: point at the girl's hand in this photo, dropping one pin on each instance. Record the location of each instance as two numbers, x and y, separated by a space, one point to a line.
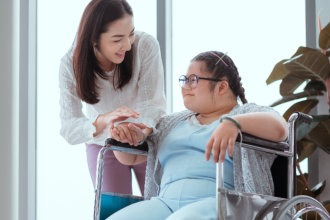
131 133
222 138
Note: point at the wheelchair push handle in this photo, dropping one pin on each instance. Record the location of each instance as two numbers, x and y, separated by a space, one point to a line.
113 142
299 116
141 149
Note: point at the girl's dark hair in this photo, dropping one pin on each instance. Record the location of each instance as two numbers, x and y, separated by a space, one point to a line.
220 70
95 20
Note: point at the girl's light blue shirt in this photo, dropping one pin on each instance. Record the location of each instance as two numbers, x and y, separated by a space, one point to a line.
182 154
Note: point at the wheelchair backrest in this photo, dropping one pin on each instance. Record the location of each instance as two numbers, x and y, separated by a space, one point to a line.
279 171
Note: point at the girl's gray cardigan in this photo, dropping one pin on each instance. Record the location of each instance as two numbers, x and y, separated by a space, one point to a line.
251 169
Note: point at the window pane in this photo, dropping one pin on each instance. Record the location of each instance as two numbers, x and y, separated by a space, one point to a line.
64 187
256 35
145 15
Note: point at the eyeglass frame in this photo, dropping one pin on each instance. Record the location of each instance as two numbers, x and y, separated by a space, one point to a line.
197 78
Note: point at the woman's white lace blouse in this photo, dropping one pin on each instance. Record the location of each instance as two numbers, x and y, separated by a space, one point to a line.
144 93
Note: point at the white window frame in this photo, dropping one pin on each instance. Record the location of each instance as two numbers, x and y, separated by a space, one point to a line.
164 37
27 109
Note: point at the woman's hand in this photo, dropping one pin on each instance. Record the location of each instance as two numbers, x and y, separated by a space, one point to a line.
131 133
222 138
108 119
119 114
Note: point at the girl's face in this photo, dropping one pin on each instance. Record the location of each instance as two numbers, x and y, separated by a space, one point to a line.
199 99
116 41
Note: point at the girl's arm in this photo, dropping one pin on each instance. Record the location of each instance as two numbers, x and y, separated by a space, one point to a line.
266 125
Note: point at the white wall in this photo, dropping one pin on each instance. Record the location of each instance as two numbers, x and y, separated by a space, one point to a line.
8 112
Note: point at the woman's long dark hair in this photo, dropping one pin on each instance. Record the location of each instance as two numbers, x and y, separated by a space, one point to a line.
95 19
220 70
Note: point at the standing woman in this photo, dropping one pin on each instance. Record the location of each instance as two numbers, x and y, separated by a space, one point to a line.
117 72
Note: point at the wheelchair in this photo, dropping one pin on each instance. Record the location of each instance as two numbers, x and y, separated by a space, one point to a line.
282 206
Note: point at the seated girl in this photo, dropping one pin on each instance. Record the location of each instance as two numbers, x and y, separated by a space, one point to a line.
180 177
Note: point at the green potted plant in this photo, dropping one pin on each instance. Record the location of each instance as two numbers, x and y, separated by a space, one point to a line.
310 66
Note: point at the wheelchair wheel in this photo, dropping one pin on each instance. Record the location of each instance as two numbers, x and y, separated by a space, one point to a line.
302 207
267 212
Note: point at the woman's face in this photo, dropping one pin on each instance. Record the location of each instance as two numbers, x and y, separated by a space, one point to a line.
116 41
201 98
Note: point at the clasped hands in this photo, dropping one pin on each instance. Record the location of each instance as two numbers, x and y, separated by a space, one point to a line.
125 132
223 137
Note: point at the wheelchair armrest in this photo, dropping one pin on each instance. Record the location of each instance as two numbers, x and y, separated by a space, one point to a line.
281 146
256 141
141 149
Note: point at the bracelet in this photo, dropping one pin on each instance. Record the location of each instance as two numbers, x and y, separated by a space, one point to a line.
232 120
237 125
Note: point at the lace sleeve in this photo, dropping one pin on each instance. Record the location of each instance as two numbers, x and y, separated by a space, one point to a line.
76 128
151 99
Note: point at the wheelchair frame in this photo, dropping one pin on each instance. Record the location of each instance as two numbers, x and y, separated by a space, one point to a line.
111 144
260 206
255 206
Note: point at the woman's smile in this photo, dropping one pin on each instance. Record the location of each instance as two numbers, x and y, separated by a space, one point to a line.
120 55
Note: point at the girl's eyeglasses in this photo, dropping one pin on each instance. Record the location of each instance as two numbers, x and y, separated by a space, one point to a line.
192 81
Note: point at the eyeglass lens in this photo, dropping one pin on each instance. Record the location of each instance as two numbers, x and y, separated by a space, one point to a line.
192 81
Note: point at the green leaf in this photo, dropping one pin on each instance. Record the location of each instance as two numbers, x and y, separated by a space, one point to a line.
324 38
289 84
279 72
291 97
313 88
320 135
305 148
311 64
302 106
302 50
302 129
315 85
